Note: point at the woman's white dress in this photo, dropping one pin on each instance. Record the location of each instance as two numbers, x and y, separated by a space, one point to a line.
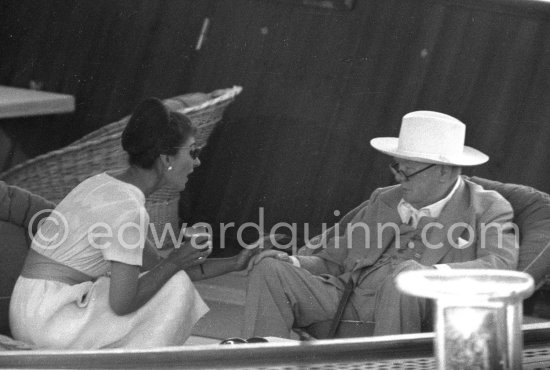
101 220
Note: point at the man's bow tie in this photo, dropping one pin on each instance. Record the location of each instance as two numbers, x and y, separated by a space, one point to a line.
411 215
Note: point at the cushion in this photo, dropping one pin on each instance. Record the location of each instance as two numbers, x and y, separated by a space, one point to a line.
21 207
532 216
13 250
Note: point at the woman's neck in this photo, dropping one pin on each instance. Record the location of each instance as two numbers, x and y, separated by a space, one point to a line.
146 180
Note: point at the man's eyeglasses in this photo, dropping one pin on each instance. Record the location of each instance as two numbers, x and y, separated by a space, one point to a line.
194 152
394 167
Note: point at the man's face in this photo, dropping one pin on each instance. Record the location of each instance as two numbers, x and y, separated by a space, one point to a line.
422 188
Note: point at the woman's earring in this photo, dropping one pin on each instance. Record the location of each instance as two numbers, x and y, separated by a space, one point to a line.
169 168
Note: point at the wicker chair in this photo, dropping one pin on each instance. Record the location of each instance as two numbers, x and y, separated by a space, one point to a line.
54 174
531 215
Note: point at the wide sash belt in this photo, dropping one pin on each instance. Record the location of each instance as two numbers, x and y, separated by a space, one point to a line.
38 266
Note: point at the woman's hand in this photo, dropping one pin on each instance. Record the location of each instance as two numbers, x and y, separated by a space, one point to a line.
192 252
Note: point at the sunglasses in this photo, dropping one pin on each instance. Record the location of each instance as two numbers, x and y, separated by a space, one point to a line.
394 167
194 152
238 340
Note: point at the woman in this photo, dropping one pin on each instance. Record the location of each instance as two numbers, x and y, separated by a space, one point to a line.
81 286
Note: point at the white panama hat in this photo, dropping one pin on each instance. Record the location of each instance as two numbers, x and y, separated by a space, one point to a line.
430 137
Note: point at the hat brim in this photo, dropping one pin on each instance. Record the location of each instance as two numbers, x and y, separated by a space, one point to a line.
389 146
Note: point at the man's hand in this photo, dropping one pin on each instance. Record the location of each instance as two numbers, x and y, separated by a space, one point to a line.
282 256
410 265
246 257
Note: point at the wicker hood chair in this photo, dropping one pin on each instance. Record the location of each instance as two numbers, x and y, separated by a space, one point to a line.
53 175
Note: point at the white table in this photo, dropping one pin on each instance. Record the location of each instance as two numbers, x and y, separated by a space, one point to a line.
18 102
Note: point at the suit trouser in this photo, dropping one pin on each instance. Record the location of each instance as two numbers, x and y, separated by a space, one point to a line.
376 298
281 296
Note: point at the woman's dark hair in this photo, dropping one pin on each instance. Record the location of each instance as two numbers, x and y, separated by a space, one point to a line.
154 130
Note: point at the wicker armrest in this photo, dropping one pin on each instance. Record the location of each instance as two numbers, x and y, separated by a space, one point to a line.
54 174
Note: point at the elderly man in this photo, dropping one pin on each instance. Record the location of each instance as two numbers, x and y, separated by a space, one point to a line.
433 218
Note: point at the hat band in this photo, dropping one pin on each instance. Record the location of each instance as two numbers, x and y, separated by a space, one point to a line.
432 156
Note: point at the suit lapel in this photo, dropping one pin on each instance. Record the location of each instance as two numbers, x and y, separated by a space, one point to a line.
385 214
456 212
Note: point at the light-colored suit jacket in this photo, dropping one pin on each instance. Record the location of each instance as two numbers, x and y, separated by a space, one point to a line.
474 230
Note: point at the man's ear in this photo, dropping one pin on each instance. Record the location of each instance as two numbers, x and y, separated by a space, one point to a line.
446 173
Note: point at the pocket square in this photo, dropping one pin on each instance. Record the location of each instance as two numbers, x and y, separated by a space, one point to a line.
462 243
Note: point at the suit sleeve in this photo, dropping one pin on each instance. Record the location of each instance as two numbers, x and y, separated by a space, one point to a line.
326 258
497 244
315 244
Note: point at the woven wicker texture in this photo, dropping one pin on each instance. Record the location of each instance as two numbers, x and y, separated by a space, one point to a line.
54 174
